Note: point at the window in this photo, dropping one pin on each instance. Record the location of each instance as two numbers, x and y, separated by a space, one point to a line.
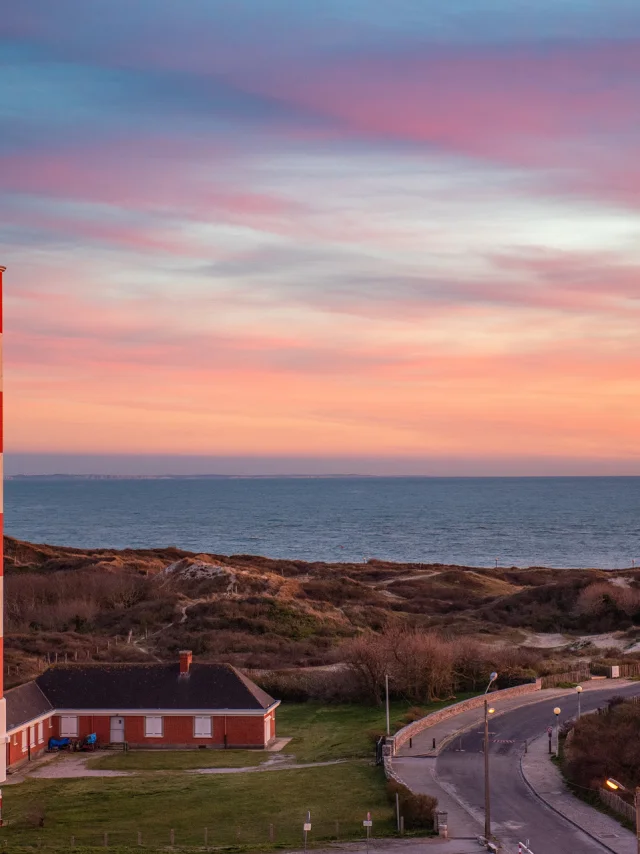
24 741
32 736
68 726
153 727
50 723
202 726
40 732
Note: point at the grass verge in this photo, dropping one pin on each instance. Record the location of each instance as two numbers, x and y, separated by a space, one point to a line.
237 809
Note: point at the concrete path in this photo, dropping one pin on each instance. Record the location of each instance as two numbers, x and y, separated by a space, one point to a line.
60 766
546 781
419 775
268 766
402 846
278 745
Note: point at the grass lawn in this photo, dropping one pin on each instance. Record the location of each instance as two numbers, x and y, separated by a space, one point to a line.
319 733
237 809
178 760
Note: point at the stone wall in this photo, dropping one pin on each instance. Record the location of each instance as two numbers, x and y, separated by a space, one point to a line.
403 735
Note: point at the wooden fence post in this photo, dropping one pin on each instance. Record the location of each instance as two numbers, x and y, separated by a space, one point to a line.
139 837
272 835
172 837
106 839
206 836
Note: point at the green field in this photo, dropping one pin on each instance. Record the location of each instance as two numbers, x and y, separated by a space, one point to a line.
319 733
237 809
178 760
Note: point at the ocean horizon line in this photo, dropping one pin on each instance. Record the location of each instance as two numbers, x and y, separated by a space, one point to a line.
312 476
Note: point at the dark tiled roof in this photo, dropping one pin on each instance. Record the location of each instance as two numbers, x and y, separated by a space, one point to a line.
151 686
25 703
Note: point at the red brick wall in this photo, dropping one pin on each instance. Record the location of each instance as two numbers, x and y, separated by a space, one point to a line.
16 755
245 731
178 730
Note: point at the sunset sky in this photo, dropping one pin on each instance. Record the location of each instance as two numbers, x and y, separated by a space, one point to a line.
388 236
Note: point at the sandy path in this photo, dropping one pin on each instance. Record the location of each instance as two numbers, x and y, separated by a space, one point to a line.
69 766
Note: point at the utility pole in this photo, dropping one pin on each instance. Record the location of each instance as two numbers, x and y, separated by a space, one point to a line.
386 683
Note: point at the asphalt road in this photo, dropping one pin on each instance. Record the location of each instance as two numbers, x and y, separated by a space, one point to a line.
517 814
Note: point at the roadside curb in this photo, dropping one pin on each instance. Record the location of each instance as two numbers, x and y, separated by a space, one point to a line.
446 741
558 812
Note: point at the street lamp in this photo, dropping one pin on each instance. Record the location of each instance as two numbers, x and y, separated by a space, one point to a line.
556 712
579 693
487 794
614 784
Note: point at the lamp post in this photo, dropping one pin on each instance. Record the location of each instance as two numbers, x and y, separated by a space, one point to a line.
556 712
614 784
579 693
487 792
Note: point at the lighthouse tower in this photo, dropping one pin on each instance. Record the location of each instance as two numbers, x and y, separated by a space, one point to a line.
3 711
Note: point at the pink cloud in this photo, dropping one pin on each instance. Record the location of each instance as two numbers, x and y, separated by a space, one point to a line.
141 178
568 107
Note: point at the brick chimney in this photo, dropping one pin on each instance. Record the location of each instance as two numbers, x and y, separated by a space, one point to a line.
186 657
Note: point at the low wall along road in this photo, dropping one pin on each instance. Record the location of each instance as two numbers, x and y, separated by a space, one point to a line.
394 743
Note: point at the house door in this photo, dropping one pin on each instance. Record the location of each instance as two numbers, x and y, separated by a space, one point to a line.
117 731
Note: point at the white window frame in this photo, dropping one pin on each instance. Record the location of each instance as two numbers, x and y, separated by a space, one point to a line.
40 732
32 736
151 726
25 738
67 728
202 723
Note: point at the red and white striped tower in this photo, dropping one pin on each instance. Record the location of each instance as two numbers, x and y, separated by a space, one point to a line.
3 712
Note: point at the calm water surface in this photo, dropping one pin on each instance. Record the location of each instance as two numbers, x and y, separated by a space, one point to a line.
557 522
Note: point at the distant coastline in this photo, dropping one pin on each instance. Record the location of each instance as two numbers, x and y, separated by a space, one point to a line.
190 476
339 476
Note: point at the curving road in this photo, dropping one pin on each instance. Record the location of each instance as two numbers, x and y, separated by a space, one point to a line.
517 814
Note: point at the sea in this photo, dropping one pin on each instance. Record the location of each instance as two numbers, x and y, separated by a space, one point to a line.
556 522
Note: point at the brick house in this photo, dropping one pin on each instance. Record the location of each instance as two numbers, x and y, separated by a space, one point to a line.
180 705
29 723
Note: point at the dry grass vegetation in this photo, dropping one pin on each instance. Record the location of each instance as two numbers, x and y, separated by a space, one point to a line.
266 614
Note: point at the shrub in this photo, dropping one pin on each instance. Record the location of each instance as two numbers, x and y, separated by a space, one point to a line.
418 810
605 745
